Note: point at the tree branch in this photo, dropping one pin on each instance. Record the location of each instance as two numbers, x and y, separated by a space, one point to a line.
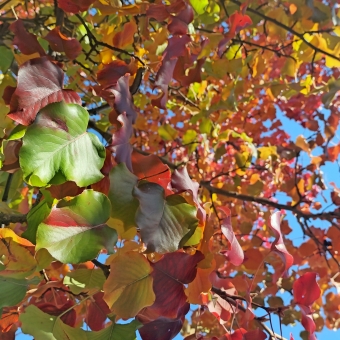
7 218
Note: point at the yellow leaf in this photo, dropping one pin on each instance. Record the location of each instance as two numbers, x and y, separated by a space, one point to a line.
128 288
267 151
6 233
195 238
22 58
302 143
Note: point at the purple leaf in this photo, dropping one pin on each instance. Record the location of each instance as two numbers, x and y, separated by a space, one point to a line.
40 83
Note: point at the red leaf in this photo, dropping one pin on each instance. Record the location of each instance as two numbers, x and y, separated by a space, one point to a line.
235 254
176 48
333 152
68 318
8 93
26 42
104 184
182 182
66 189
75 6
179 23
278 246
308 321
43 81
164 328
152 169
97 311
170 274
108 76
237 21
221 309
237 335
242 334
306 290
60 43
158 12
8 318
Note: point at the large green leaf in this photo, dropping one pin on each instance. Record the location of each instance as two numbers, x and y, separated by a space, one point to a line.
165 224
12 290
56 148
84 279
47 327
75 230
123 204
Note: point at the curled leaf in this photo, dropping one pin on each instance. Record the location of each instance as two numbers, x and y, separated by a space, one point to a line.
278 245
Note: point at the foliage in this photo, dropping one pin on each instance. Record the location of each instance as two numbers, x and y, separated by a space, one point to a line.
146 166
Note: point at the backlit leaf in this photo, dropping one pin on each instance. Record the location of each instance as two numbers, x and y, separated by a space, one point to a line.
75 230
128 288
54 145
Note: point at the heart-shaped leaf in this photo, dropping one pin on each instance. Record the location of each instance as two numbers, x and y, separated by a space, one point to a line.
75 230
56 148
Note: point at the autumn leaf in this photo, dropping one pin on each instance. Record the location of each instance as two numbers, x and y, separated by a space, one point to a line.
165 223
44 82
75 230
170 274
60 43
278 246
128 289
306 291
26 42
56 142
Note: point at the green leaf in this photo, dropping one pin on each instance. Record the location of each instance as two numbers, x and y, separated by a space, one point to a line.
43 326
199 5
189 136
56 148
84 279
123 204
14 290
75 230
36 216
167 132
165 224
6 58
206 125
17 133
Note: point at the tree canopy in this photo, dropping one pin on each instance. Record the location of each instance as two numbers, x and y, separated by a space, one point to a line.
158 156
